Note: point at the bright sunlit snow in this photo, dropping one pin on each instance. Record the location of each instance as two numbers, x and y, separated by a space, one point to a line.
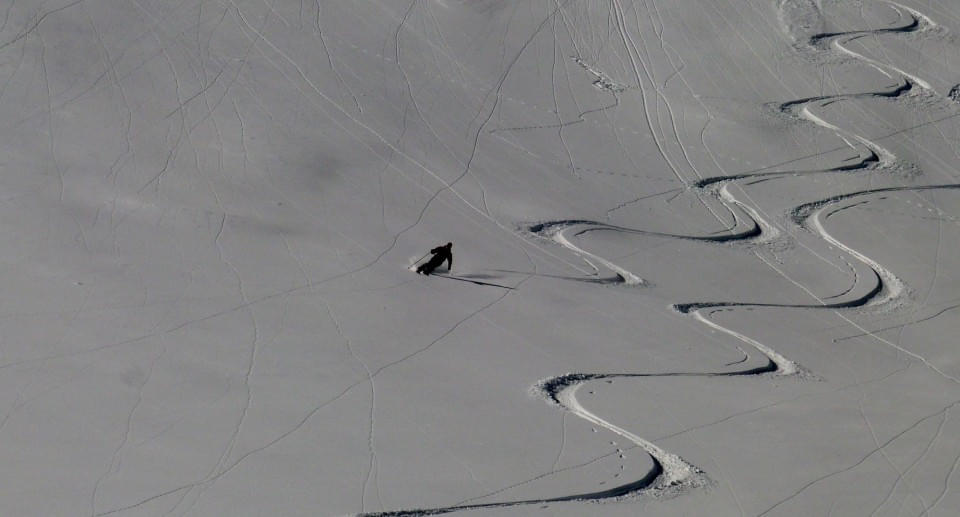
706 257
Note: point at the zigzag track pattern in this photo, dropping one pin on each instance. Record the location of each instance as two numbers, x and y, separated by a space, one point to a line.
671 474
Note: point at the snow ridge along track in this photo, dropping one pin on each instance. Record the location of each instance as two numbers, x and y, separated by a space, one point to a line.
671 474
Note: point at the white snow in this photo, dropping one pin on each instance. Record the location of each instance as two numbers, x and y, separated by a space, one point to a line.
706 257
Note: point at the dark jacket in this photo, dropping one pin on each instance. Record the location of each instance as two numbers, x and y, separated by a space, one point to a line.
441 254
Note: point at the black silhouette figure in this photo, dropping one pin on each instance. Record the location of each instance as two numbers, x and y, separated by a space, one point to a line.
440 254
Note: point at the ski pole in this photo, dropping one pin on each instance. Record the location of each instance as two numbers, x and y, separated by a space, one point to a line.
419 259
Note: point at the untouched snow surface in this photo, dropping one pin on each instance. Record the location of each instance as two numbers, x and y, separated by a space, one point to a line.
707 257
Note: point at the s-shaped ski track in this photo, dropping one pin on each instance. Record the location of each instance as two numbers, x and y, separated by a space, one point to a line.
671 474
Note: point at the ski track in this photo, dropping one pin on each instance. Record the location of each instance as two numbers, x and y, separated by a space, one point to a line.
671 474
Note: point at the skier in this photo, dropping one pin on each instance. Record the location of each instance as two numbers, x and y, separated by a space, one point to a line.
440 254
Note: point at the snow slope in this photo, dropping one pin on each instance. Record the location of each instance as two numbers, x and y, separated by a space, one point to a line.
710 250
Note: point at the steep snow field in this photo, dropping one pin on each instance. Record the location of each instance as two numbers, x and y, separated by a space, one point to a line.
707 257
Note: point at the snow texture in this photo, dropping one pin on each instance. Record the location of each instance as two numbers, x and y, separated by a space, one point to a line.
707 257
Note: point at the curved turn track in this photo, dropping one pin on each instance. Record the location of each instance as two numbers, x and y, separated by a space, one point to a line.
874 284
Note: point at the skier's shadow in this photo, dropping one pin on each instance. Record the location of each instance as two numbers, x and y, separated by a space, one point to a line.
601 280
483 276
